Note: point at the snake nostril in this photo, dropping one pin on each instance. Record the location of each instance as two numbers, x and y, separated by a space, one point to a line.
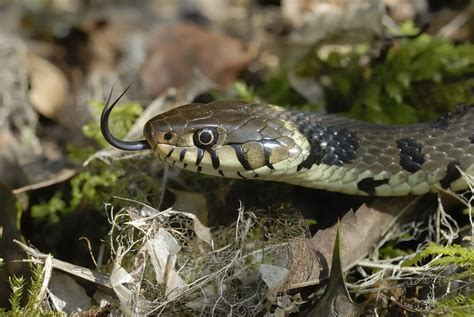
168 136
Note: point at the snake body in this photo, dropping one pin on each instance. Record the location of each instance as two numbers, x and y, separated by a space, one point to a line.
259 141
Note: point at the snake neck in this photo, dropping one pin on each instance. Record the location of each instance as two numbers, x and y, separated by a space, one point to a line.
362 158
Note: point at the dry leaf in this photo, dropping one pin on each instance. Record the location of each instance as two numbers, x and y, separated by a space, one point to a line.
336 300
176 53
274 276
118 278
104 299
362 230
49 87
403 10
191 202
163 250
67 295
193 206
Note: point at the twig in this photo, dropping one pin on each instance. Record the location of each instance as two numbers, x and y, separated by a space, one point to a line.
63 176
89 247
47 270
79 271
393 267
452 26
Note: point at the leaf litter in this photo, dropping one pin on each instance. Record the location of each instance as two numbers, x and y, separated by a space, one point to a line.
168 262
180 262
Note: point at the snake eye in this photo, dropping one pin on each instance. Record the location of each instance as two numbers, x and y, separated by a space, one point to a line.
205 138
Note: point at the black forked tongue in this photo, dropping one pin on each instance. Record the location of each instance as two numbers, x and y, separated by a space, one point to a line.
104 127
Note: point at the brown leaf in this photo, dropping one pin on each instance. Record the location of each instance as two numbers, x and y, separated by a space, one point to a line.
67 295
194 206
191 202
336 300
175 53
361 230
49 87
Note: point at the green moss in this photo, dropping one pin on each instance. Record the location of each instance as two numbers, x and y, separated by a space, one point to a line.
457 305
244 92
51 209
121 120
277 90
24 296
311 222
458 301
415 80
86 188
389 250
95 184
17 285
453 254
92 187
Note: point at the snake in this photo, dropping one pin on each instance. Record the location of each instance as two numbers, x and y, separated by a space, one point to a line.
258 141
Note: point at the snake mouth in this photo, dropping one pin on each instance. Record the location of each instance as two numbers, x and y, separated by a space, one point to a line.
189 158
229 160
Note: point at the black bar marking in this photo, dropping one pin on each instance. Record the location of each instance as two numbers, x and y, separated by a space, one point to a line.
222 173
369 184
170 152
471 137
452 174
238 173
185 165
182 154
241 156
200 155
267 151
199 169
214 158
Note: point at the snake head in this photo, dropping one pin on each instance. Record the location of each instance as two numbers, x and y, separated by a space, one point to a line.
231 139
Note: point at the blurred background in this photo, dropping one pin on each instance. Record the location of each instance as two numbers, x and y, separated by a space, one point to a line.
391 61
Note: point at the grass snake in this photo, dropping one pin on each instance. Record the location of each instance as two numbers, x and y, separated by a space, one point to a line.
238 139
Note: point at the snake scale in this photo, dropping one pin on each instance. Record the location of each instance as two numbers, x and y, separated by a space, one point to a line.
237 139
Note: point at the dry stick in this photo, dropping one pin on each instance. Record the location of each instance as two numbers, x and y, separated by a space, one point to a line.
47 271
63 176
89 247
438 223
79 271
455 24
375 265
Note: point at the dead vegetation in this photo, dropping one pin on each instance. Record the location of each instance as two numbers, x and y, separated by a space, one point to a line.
110 233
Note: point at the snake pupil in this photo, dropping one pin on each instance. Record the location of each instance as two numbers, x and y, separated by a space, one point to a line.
205 138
